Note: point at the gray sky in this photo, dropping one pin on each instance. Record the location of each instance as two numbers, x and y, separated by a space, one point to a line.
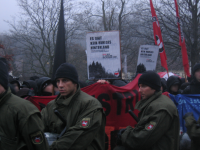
8 8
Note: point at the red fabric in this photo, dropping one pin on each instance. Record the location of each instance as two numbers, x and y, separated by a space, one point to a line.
157 33
1 46
182 43
116 101
163 74
166 94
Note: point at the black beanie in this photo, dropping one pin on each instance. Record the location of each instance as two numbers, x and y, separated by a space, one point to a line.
67 71
150 79
3 75
195 68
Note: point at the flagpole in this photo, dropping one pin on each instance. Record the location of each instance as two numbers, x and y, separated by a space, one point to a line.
185 77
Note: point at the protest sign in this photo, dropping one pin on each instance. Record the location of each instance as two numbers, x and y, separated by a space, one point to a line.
148 55
103 55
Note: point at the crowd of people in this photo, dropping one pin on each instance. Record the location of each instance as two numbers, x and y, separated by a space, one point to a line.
78 119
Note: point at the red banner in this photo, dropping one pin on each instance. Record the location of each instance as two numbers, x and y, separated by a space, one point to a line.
158 37
182 43
116 102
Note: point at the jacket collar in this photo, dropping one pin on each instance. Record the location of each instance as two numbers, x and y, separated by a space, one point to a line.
143 103
5 96
60 100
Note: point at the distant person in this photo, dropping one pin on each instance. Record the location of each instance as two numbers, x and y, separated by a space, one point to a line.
15 83
173 85
44 86
194 87
34 78
31 85
140 69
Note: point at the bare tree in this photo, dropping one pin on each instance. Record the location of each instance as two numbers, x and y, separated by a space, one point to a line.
35 33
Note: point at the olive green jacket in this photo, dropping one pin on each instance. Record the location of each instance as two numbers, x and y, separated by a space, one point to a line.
158 126
20 125
85 122
193 131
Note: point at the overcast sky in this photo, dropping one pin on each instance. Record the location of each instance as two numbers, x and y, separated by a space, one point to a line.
8 8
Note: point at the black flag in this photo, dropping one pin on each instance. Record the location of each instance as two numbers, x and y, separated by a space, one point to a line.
60 54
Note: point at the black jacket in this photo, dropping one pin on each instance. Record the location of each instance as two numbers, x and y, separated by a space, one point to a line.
193 88
173 80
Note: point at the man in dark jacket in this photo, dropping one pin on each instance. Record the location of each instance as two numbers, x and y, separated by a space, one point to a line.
173 85
21 127
194 87
158 126
83 115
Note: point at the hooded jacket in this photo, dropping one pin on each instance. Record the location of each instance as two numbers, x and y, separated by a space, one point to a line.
173 80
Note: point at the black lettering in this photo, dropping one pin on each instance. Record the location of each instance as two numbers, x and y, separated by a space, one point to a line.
93 43
106 105
129 101
118 97
98 38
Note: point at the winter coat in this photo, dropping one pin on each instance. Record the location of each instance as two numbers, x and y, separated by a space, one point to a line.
21 127
84 118
193 88
158 126
193 130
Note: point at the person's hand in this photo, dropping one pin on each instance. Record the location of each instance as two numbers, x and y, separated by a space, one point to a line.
187 115
119 136
102 81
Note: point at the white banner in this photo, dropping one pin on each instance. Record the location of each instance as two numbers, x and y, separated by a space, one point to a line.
147 56
103 55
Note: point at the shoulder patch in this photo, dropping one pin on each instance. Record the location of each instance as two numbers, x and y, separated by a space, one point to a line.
85 122
37 138
150 126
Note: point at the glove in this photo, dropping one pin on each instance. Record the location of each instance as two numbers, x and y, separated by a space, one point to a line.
187 115
119 136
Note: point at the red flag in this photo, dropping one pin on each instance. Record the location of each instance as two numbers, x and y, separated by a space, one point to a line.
158 37
182 43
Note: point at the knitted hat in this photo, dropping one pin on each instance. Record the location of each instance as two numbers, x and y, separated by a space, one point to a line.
195 68
3 75
150 79
67 71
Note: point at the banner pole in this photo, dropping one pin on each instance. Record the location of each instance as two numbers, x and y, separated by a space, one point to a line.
185 77
168 74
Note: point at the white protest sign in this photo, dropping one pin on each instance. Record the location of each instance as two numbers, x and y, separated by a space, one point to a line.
103 55
148 55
